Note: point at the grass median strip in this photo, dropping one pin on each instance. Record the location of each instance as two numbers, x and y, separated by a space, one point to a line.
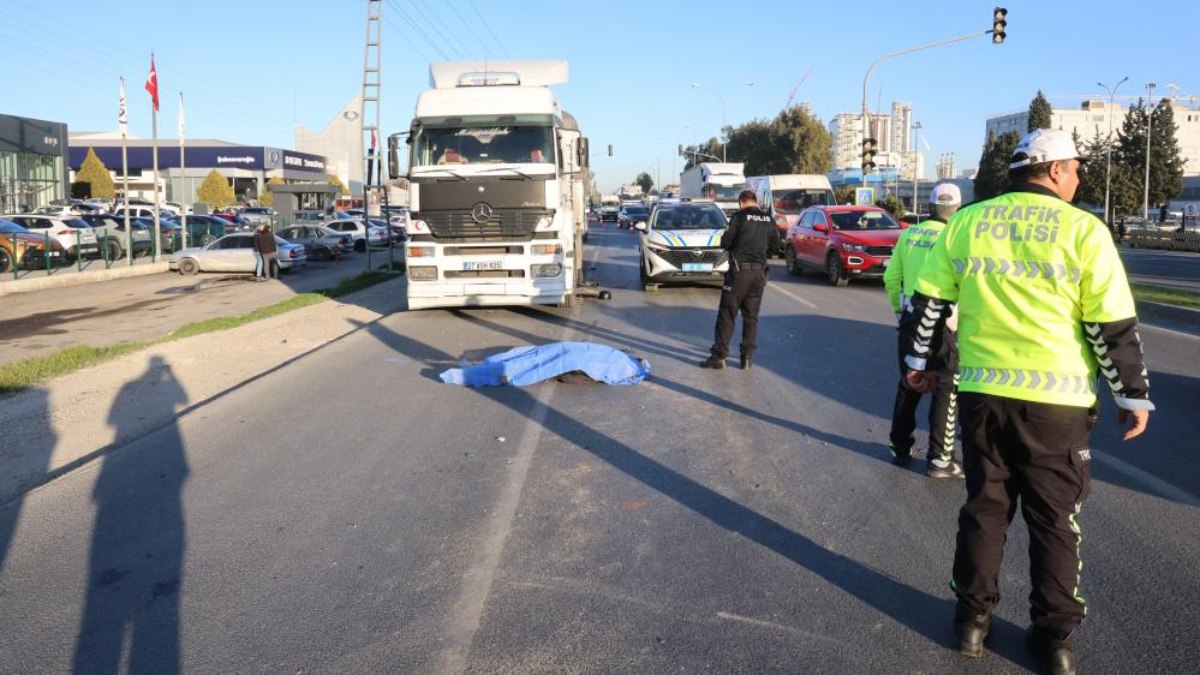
27 373
1167 296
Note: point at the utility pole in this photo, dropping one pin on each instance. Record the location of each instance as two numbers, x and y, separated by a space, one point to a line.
369 116
1149 128
916 129
1108 145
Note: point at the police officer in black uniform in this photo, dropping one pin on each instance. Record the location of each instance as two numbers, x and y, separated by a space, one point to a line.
749 239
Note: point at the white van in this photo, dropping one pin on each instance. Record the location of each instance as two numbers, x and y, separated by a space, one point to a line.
785 196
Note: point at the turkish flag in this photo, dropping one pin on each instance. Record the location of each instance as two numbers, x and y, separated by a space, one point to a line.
152 83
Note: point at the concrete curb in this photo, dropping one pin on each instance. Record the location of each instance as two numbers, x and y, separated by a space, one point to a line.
1170 316
64 279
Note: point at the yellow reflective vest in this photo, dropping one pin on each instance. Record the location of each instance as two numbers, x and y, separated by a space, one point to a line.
912 247
1027 271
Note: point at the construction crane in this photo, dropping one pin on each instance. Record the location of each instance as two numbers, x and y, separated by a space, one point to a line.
792 96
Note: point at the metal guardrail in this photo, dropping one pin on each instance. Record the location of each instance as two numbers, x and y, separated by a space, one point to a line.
1169 237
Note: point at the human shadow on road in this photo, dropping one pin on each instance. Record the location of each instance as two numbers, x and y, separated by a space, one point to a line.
926 614
28 446
131 613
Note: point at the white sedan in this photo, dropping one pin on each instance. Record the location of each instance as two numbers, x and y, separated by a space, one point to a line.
234 253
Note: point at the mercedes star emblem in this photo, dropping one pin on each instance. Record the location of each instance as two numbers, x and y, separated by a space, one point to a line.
481 213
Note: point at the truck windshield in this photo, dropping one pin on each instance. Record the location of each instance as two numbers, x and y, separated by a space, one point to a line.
794 201
484 145
723 193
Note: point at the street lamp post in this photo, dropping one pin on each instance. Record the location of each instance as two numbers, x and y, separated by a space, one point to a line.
916 129
724 120
1108 145
865 113
1149 129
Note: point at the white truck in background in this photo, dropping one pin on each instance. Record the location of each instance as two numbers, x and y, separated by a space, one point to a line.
718 181
498 178
784 196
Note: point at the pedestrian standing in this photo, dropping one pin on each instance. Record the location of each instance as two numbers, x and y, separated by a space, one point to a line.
267 251
900 279
1043 304
749 239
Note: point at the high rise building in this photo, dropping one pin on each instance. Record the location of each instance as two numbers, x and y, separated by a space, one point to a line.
890 131
901 124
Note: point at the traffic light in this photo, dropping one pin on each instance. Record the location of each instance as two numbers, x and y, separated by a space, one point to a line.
998 25
868 155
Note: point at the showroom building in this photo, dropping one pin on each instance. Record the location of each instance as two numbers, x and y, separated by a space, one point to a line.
33 163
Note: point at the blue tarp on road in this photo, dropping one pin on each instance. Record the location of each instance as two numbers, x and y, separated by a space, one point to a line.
523 366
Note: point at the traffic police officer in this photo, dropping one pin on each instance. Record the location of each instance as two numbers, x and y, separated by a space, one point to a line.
749 239
1043 304
900 279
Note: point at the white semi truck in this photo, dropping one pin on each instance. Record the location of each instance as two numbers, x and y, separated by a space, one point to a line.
718 181
498 179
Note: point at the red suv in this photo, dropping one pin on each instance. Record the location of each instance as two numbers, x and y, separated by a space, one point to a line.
844 242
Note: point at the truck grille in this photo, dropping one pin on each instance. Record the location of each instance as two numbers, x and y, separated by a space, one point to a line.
505 224
677 257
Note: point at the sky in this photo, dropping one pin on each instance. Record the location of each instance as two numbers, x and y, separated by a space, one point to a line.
249 71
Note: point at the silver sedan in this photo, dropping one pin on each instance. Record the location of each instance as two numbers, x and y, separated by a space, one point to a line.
234 253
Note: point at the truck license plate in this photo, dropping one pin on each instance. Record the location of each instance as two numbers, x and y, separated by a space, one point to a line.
477 265
697 267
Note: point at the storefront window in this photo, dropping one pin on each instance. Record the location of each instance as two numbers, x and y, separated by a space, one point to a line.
29 180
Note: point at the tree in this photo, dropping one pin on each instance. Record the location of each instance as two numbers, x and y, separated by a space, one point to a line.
1040 112
337 183
1092 173
645 182
267 198
992 177
216 191
94 173
711 148
1166 166
893 205
844 194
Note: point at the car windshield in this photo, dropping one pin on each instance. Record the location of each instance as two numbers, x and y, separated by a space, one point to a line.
9 227
77 222
792 202
689 218
723 193
863 220
637 212
484 142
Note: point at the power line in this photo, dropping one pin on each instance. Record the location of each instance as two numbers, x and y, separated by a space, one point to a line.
488 27
403 35
416 28
463 22
433 23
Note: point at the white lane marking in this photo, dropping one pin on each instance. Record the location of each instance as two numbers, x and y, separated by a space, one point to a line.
792 295
780 627
1156 485
463 621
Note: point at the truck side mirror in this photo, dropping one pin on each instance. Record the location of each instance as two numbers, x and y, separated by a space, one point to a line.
393 157
582 150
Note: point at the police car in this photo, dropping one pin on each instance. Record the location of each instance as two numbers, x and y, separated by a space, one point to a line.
682 242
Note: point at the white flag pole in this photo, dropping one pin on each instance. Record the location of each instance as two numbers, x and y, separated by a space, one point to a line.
123 125
183 169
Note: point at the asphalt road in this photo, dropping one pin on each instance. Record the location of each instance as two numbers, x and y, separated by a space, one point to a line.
1176 269
350 513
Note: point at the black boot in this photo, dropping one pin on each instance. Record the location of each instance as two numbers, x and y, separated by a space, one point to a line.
1053 650
971 629
713 362
747 362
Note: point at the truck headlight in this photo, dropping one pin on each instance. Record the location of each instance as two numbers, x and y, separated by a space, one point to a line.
422 273
546 271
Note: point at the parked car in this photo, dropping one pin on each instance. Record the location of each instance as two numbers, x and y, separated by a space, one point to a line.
233 217
258 215
72 234
143 212
320 243
234 253
359 230
844 242
204 229
21 248
629 214
609 212
399 232
682 242
110 232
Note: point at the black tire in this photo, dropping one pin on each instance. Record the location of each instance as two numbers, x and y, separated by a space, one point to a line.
794 267
833 267
114 251
188 266
71 254
360 245
6 261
